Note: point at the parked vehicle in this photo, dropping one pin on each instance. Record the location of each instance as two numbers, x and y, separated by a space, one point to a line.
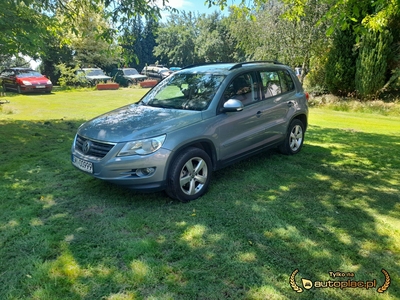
127 76
24 80
196 121
92 76
156 72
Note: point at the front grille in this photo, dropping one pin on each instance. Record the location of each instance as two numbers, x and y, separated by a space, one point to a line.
96 149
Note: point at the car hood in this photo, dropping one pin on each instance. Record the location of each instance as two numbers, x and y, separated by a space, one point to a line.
97 77
33 80
136 122
135 76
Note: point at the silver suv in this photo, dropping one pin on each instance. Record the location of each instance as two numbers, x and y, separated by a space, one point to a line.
196 121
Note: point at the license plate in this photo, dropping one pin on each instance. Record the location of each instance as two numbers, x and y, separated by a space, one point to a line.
84 165
40 86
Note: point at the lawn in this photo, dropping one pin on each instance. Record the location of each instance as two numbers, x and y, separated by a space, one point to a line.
329 215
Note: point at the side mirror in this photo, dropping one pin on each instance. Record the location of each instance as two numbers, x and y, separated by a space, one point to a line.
232 105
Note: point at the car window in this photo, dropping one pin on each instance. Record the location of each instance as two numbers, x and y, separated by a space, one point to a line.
94 72
276 82
25 74
286 80
271 83
184 91
243 88
131 72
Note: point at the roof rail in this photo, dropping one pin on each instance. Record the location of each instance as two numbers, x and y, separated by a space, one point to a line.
203 64
238 65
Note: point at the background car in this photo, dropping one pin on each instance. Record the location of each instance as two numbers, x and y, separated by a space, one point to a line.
127 76
157 72
24 80
92 76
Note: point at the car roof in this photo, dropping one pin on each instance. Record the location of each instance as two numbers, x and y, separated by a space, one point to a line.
226 68
20 69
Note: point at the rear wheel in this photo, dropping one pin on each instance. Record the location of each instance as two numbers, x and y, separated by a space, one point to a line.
294 138
190 175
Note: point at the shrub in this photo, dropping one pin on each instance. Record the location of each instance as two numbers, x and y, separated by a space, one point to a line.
372 62
340 66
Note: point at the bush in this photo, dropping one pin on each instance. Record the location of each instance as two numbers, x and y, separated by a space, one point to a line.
68 76
372 62
340 67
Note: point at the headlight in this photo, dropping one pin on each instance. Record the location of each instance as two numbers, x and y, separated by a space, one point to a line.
142 147
49 82
24 82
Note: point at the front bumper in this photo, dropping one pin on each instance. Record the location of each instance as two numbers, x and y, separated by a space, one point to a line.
127 171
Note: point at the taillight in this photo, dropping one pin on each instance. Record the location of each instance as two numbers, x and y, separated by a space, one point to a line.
307 95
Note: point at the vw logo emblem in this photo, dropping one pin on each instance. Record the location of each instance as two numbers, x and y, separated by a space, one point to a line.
86 147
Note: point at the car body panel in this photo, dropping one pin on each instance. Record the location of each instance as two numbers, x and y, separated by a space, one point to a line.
92 75
127 76
137 122
225 136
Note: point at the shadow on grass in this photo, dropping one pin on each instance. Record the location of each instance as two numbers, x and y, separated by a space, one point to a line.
333 207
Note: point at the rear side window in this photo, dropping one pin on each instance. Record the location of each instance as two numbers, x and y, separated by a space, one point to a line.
287 83
276 82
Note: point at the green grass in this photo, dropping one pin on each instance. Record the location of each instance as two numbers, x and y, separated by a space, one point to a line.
64 235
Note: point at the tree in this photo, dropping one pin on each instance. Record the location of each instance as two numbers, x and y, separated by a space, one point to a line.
372 62
176 40
214 41
24 24
340 68
344 14
24 29
265 35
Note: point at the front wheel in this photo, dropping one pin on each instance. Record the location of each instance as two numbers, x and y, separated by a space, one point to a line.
294 138
190 175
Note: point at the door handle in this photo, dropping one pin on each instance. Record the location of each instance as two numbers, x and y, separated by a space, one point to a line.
290 103
258 114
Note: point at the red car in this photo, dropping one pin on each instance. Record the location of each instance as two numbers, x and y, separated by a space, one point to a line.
24 80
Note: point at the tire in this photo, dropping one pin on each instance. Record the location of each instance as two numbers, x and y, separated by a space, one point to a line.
190 175
4 87
19 89
294 138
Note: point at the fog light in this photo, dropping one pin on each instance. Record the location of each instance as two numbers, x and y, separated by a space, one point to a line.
145 172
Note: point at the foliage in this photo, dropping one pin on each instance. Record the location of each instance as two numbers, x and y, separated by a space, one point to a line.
267 36
340 67
176 40
214 41
23 29
372 62
68 76
138 42
89 49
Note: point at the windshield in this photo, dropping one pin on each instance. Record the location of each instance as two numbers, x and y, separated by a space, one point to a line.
131 72
29 74
184 91
94 72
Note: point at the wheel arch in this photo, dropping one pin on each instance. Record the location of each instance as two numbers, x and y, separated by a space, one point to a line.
205 145
302 118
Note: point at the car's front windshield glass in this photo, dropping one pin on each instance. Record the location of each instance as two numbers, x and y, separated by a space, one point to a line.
131 72
26 74
184 91
95 73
